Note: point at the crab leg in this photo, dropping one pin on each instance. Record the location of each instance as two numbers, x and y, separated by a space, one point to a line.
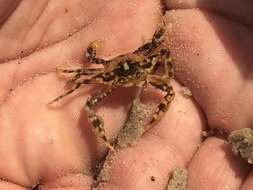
163 85
166 58
156 41
83 72
77 85
95 120
91 53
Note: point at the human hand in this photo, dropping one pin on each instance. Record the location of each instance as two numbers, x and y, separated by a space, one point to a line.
55 147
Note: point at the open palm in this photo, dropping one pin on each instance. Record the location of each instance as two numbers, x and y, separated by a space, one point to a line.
55 148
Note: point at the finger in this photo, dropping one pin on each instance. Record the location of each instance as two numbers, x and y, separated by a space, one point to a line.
214 61
169 144
214 166
235 9
248 183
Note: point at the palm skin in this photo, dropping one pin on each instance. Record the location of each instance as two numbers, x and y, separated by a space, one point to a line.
54 147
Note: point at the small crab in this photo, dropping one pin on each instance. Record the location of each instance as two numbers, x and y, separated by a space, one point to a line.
134 69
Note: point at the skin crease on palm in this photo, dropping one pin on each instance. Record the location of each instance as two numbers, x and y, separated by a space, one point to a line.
212 48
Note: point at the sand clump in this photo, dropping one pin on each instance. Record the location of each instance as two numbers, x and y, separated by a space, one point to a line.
242 143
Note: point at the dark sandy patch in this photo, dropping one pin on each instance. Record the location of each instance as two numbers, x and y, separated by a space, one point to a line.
134 127
242 143
178 180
